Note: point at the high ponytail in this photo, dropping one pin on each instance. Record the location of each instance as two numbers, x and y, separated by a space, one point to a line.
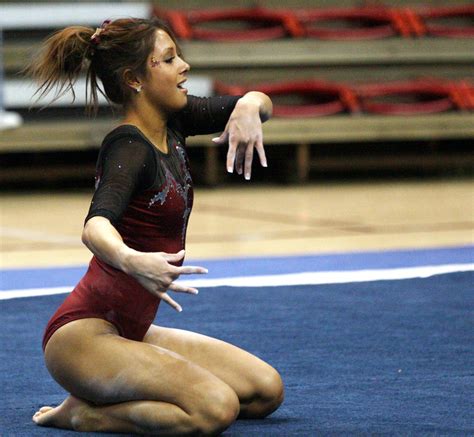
103 54
62 59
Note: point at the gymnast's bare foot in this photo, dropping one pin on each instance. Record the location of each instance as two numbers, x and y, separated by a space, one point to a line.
71 414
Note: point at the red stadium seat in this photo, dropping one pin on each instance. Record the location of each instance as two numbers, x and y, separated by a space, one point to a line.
419 97
323 23
433 20
264 24
365 23
425 96
323 98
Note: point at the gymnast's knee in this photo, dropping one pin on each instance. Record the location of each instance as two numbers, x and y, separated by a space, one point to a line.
211 415
269 393
218 409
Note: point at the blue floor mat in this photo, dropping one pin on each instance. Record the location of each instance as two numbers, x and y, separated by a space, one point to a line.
387 357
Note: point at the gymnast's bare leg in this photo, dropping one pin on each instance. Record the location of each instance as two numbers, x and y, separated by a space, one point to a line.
118 385
257 384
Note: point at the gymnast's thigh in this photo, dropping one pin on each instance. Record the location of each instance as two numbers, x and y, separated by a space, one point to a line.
88 359
243 372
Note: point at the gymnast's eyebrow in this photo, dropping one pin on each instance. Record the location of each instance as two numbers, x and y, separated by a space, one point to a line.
168 49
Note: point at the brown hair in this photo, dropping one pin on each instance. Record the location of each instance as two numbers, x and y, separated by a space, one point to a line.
104 53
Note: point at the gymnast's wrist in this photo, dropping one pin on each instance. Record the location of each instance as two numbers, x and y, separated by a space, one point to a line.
126 259
249 101
260 101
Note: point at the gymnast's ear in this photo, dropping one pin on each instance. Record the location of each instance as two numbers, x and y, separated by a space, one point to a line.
131 80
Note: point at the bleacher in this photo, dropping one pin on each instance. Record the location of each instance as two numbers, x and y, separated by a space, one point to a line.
347 62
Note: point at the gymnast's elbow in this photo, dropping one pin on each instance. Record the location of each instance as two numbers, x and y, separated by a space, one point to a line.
92 228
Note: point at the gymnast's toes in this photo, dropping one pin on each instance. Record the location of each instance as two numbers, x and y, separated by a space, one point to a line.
69 415
41 417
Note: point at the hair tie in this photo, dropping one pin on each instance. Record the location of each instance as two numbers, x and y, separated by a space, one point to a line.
95 38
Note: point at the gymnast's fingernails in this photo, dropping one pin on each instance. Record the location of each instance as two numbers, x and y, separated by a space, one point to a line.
229 170
247 176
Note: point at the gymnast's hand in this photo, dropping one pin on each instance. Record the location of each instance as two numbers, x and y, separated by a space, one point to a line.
154 272
244 134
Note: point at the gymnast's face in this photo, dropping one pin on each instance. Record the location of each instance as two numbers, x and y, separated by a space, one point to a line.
166 72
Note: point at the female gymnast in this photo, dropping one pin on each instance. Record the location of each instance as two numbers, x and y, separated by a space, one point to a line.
123 373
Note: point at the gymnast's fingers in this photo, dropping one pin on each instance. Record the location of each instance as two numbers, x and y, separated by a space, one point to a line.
179 288
191 270
239 158
261 152
230 161
173 257
248 162
165 297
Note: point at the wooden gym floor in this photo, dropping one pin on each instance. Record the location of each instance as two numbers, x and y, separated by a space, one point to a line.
43 229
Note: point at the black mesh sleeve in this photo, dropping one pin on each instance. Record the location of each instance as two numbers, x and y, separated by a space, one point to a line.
205 115
125 167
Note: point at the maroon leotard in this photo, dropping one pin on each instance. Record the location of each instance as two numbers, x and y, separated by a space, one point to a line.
147 195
